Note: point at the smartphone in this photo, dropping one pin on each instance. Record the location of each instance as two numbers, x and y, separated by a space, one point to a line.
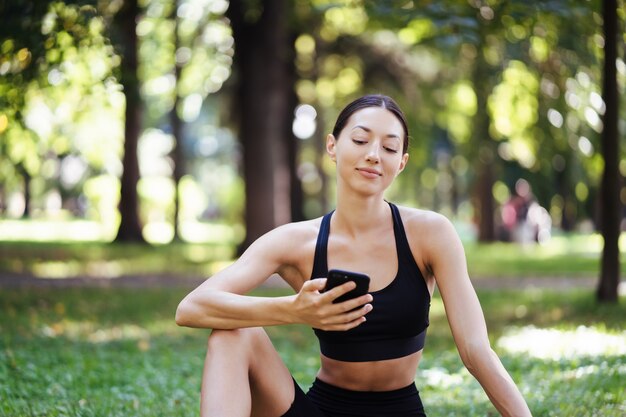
337 277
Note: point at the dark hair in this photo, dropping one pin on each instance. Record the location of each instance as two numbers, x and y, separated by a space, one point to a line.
372 100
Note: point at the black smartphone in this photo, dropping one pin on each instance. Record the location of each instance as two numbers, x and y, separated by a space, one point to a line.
337 277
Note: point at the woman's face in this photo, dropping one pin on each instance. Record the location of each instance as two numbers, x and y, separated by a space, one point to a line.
368 151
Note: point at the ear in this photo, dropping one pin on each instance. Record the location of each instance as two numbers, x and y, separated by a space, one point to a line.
331 146
403 162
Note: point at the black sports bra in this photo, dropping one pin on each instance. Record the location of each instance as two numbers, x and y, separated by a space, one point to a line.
396 326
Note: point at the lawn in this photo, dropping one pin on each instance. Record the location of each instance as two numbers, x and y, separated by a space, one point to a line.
117 352
571 256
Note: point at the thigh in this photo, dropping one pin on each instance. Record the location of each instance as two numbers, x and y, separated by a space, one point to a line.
244 373
271 383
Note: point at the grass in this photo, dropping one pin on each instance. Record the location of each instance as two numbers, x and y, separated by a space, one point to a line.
102 259
75 248
570 256
117 352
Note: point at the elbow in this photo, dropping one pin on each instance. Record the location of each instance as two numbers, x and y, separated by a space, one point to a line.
475 355
184 315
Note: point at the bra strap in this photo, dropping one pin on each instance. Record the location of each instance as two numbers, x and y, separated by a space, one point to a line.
402 243
320 261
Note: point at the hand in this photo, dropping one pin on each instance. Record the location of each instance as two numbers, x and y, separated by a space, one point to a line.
317 309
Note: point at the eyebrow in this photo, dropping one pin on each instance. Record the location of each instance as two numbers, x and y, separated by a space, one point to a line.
368 130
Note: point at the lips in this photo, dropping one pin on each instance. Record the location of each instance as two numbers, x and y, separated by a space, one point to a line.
369 172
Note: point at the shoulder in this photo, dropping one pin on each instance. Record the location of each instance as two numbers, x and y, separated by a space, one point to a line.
288 240
291 232
305 229
419 221
432 234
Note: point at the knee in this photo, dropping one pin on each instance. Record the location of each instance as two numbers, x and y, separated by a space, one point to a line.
235 339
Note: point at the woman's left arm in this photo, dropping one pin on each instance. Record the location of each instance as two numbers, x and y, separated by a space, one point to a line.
445 257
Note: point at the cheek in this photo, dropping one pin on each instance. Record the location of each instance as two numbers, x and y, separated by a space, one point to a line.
395 164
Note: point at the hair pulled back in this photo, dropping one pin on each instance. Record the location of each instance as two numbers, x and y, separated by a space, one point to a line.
372 100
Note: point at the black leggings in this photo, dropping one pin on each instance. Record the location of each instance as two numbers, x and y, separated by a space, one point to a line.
325 400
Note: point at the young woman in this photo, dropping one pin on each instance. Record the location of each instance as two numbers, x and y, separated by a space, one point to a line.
370 345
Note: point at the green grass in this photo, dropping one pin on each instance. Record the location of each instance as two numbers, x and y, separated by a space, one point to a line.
571 256
117 352
102 259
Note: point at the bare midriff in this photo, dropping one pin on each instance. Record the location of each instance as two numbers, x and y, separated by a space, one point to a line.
386 375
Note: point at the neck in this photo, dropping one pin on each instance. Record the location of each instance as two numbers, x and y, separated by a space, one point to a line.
356 213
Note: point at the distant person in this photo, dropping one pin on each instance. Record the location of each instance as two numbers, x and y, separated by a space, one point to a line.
370 345
523 219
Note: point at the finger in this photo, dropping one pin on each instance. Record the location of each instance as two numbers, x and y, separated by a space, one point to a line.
316 284
349 317
340 290
357 313
347 325
353 303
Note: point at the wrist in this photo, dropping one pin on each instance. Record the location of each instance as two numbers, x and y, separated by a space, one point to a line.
285 310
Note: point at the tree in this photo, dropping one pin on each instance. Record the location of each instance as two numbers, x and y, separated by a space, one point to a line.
177 124
22 41
610 188
263 61
126 26
55 59
486 154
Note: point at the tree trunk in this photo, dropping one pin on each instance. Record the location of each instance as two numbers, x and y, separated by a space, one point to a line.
607 290
262 60
485 155
296 193
177 129
292 144
27 196
3 200
484 192
130 225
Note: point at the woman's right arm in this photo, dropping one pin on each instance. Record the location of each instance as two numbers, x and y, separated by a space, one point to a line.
220 303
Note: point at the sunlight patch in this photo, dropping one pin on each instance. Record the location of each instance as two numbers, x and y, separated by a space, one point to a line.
559 344
90 332
440 377
595 369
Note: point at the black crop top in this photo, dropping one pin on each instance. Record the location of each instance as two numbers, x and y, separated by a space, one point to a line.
396 326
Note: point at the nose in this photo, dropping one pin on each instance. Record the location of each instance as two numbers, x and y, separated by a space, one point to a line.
373 153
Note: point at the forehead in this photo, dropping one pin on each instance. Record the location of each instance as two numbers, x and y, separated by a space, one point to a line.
376 119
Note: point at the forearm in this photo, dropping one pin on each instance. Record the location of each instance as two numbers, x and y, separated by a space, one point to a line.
498 385
224 310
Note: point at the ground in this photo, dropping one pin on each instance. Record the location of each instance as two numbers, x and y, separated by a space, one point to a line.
12 280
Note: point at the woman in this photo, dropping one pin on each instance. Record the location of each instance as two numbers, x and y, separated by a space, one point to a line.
370 345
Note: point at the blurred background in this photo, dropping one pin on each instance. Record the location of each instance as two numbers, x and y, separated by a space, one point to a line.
201 121
145 143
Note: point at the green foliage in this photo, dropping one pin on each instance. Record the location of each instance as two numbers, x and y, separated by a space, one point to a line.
61 106
117 352
57 100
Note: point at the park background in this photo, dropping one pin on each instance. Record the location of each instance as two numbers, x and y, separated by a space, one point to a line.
144 144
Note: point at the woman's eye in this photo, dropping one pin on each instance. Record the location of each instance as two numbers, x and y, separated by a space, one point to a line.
391 150
359 141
